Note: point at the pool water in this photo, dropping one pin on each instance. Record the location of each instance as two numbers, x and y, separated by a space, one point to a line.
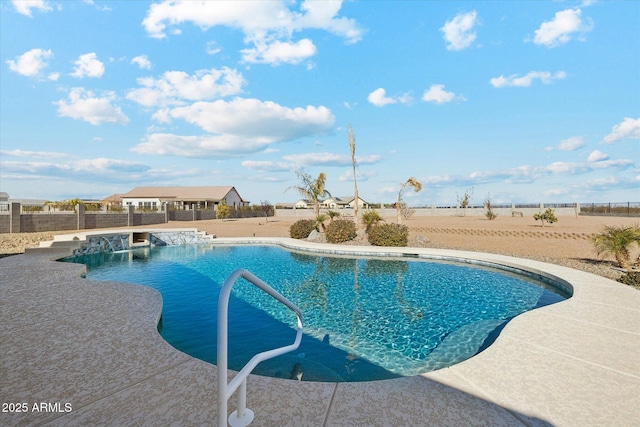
364 318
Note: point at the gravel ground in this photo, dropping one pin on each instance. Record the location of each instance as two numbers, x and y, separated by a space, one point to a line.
565 242
12 244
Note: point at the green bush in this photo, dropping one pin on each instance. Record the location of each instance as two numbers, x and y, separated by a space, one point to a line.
340 231
302 228
389 235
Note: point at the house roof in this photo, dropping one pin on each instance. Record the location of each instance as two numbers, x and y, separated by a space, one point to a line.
197 193
114 198
345 199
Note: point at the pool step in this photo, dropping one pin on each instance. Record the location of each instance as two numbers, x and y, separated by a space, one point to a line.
296 367
203 235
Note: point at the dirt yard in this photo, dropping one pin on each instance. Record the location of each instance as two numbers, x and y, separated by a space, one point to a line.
565 242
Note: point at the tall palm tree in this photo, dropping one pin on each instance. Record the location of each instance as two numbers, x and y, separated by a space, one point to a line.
411 182
616 240
352 146
312 189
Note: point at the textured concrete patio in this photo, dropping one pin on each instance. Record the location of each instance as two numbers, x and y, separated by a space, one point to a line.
95 346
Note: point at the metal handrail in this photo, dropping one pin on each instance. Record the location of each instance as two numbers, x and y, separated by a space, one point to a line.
243 415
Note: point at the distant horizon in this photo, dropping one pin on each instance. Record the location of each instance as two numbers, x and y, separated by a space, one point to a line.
472 205
524 101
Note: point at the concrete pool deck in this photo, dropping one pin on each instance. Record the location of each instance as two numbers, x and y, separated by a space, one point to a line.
95 346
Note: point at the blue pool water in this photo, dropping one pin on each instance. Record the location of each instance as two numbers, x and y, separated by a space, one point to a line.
364 319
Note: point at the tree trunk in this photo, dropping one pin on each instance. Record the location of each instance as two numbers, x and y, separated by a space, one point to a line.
622 258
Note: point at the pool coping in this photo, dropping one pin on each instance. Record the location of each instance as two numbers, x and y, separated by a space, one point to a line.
97 348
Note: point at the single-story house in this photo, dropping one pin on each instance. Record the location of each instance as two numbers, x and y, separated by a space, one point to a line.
183 197
112 200
303 204
344 203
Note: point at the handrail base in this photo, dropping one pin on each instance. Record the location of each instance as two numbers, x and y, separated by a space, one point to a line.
235 421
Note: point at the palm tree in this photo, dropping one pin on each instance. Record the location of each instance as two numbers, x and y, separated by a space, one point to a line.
411 182
333 214
371 219
616 240
320 219
312 189
352 146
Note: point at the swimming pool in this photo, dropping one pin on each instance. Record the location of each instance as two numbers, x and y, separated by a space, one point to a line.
365 318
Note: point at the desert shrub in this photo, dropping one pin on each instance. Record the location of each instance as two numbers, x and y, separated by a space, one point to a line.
549 215
302 228
631 278
223 211
490 213
406 211
341 230
389 235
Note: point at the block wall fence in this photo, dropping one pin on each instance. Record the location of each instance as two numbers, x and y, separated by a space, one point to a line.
13 221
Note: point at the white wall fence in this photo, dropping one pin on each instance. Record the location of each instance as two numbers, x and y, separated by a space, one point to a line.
564 209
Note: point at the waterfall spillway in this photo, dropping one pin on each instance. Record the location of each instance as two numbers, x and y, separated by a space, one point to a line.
109 243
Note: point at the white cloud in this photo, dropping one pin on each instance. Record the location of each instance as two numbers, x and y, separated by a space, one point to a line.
325 159
165 144
628 129
88 65
567 167
237 127
612 164
99 169
142 61
25 153
279 52
322 15
561 28
360 176
557 192
526 174
379 99
162 116
30 63
268 26
267 165
329 159
437 94
526 81
569 144
24 7
458 33
212 48
84 105
258 119
174 87
597 156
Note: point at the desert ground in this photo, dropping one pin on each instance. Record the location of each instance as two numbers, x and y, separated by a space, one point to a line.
566 242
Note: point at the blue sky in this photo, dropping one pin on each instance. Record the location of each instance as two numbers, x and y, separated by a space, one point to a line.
532 101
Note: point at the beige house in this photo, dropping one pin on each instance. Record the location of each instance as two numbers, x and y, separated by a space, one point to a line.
201 197
303 204
347 202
